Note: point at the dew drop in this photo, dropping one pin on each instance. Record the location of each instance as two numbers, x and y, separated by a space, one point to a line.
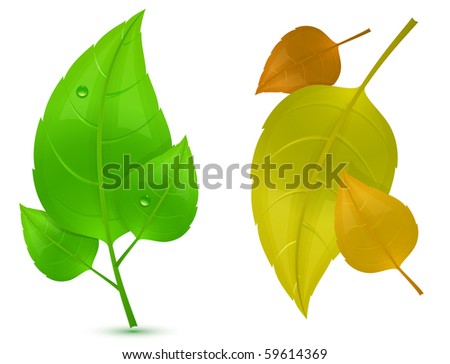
145 201
82 91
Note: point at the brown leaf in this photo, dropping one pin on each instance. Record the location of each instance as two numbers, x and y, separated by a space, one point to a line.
303 57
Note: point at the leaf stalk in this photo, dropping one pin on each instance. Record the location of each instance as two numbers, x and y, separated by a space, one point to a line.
416 287
126 252
408 27
354 37
121 288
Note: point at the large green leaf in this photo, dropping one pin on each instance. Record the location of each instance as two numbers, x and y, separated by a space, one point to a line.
103 109
296 224
57 253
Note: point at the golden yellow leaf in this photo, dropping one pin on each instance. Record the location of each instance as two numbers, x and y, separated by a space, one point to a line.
374 231
303 57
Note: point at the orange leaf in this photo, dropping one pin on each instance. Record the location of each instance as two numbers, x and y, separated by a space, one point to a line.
303 57
374 231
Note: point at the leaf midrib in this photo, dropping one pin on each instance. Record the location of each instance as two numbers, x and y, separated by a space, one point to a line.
338 128
372 231
102 196
161 199
302 61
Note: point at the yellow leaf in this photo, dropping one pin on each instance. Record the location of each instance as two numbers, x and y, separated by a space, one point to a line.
374 231
306 138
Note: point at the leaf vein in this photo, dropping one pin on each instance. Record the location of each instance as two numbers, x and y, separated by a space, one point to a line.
70 170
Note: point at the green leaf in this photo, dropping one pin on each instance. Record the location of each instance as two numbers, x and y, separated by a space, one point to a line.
103 117
104 108
57 253
161 203
296 224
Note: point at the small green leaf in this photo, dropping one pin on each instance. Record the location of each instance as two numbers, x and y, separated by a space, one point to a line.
57 253
164 209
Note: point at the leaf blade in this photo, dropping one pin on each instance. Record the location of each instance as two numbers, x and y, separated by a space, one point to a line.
116 114
305 56
166 190
280 214
374 230
57 253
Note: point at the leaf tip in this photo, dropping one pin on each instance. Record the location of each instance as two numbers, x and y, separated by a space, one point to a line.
139 15
135 22
305 314
24 211
184 142
302 305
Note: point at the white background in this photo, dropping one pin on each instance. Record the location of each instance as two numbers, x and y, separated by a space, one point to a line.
214 287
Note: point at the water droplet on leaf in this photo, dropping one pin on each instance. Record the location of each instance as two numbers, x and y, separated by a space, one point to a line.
82 91
145 201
